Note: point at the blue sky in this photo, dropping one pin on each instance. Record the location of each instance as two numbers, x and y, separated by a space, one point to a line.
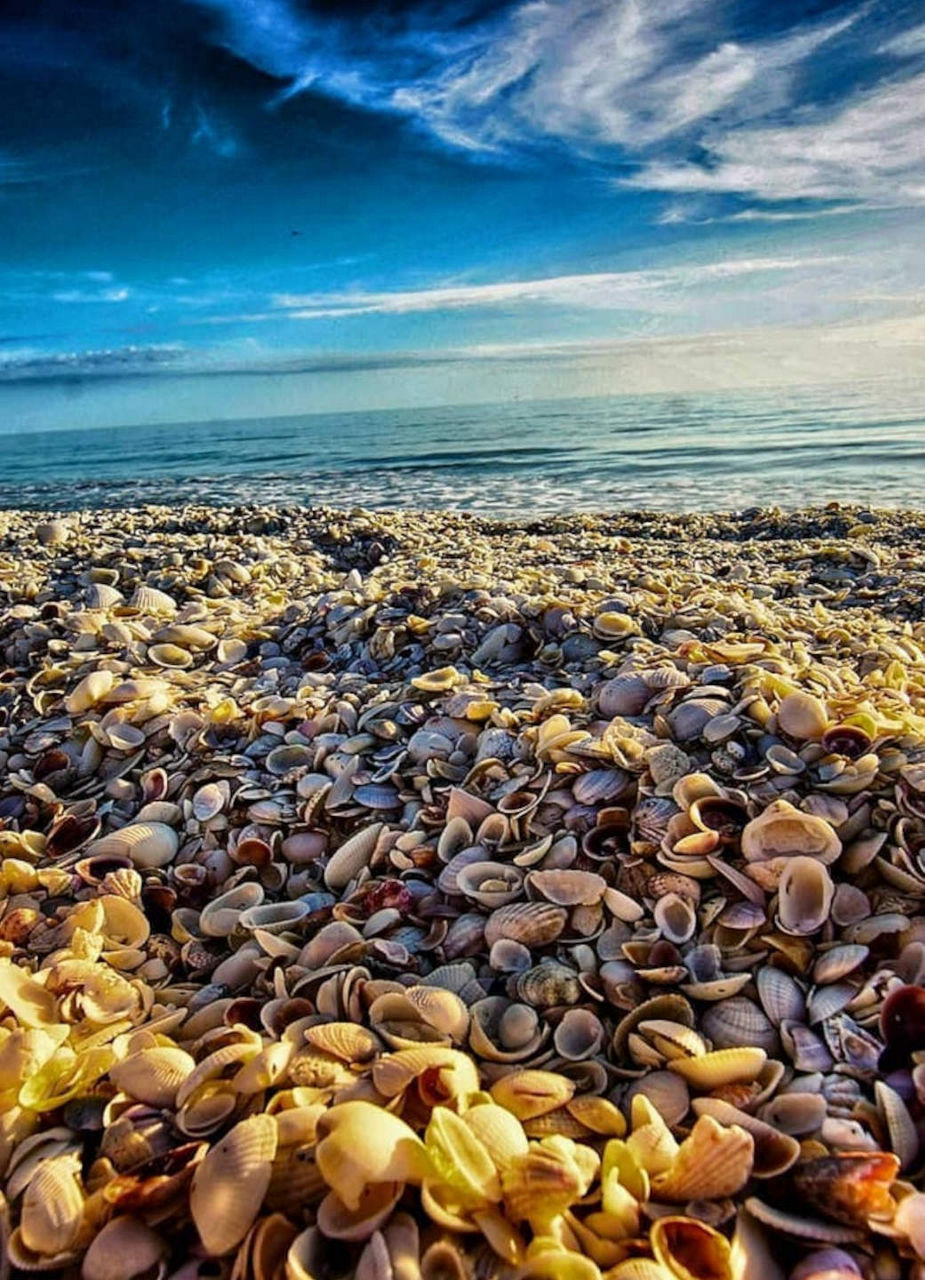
370 203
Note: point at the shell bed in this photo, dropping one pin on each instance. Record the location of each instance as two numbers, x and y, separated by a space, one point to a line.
407 896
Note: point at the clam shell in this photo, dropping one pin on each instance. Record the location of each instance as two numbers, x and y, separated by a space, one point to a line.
712 1162
230 1183
170 655
566 888
667 1092
153 1076
781 995
352 856
89 691
579 1035
360 1145
531 1093
208 802
675 918
150 600
52 1209
774 1153
690 1249
490 884
123 1249
806 891
148 844
548 984
802 716
739 1021
838 961
783 831
220 917
532 923
720 1067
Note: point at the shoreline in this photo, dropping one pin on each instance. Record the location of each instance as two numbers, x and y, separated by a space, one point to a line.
633 802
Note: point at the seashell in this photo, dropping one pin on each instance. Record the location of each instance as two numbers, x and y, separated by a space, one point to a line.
579 1035
567 888
269 918
805 1049
827 1264
690 1250
782 831
826 1002
750 1251
548 984
230 1183
170 655
849 1187
837 962
904 1138
283 760
795 1113
533 923
739 1022
439 1072
667 1092
675 918
781 995
531 1093
123 1249
220 917
801 1228
208 802
721 1067
153 1076
806 891
352 856
52 1209
148 844
774 1152
360 1145
802 716
490 884
231 649
149 600
89 691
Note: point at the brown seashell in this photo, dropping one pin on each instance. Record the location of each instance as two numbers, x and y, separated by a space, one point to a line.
567 888
802 716
229 1185
691 1250
783 831
805 896
579 1035
548 984
849 1187
532 923
123 1249
739 1022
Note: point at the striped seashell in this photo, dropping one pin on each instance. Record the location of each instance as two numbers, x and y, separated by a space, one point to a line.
720 1067
713 1161
781 995
150 600
153 1076
148 844
532 923
230 1183
53 1205
124 1247
567 888
775 1151
352 856
739 1021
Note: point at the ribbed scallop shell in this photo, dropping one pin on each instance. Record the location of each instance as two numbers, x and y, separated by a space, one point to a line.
530 1093
712 1162
548 984
532 923
229 1185
153 1076
722 1066
775 1152
739 1021
667 1092
52 1209
150 600
346 1040
352 856
781 995
148 844
499 1131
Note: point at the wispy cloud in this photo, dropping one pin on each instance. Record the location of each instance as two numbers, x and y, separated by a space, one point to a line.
27 364
119 293
600 290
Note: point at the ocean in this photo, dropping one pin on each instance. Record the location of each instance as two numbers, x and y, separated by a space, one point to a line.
698 451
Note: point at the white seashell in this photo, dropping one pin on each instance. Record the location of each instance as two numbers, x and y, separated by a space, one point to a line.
148 844
153 1076
805 896
88 692
220 917
352 856
149 600
124 1248
229 1185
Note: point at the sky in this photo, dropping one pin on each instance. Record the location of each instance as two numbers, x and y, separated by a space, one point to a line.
217 207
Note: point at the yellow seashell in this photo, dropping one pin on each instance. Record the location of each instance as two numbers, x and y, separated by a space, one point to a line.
360 1144
230 1183
531 1093
439 681
640 1269
499 1130
90 690
264 1071
598 1114
712 1162
65 1076
32 1003
460 1159
721 1067
545 1182
690 1249
558 1264
345 1040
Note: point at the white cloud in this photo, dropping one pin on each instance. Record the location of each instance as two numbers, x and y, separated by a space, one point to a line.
871 150
119 293
635 290
908 44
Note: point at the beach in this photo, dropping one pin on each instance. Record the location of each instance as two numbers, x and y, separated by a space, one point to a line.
421 894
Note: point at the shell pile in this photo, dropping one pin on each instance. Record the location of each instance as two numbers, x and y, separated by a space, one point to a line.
412 897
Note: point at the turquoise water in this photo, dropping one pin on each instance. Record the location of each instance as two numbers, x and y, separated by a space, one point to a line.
683 452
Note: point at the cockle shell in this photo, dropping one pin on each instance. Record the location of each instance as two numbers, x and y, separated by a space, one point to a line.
690 1250
91 690
531 1093
53 1204
722 1066
352 856
532 923
154 1075
229 1185
774 1151
802 716
712 1162
148 844
360 1145
124 1248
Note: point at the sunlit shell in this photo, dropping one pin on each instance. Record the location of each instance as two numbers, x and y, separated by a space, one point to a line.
691 1250
532 1093
360 1145
229 1185
774 1151
169 655
782 831
345 1040
52 1208
148 844
850 1186
722 1066
91 689
352 856
154 1075
150 600
802 716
